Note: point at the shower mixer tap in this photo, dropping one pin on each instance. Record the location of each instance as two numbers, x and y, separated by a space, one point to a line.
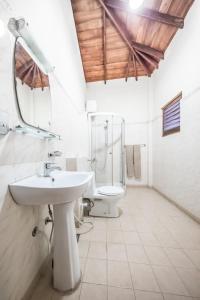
92 160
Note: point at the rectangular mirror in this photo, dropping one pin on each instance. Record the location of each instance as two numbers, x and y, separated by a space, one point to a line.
32 89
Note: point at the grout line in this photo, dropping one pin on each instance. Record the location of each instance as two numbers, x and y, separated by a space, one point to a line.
129 267
107 259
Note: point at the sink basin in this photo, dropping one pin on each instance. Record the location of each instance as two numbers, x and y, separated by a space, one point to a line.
61 190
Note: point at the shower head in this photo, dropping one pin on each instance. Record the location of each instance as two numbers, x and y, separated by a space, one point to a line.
106 124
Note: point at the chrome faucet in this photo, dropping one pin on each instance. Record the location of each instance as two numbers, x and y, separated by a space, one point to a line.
55 154
48 168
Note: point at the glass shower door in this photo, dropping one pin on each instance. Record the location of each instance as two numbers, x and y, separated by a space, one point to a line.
101 141
107 149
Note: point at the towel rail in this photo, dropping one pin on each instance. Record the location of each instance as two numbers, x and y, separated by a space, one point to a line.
141 145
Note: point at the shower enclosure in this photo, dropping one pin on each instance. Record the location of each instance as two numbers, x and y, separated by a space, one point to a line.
107 132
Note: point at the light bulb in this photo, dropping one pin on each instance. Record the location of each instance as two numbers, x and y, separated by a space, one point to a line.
134 4
2 28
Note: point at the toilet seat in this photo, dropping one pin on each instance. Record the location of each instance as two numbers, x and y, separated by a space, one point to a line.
110 190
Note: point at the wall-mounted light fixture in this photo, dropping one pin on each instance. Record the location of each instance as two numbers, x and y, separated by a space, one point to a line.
134 4
2 28
19 28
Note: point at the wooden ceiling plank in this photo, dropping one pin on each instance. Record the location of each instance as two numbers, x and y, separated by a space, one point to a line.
34 79
149 59
148 50
104 45
135 67
123 32
128 66
41 79
23 69
148 13
26 76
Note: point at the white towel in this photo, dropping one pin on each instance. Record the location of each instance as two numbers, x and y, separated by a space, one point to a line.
137 161
129 161
133 161
71 164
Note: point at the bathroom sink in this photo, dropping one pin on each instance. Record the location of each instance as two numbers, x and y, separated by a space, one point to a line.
61 190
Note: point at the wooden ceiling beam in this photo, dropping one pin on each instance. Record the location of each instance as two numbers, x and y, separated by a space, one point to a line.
148 50
41 79
128 66
147 13
27 76
104 45
124 33
136 53
23 69
135 68
149 59
33 83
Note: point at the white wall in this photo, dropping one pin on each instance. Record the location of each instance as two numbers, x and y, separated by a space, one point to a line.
130 100
21 255
176 158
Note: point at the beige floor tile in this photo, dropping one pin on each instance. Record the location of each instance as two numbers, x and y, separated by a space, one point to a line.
169 281
128 225
145 226
85 237
95 271
42 291
116 252
69 296
167 239
82 263
93 292
98 235
178 258
143 278
141 295
100 224
97 250
131 237
115 293
148 239
157 256
113 224
115 236
194 256
83 246
119 274
136 254
191 279
187 243
174 297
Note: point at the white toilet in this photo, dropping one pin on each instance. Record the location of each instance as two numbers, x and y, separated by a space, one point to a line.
105 200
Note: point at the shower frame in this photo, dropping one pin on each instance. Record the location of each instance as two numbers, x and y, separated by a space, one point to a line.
92 159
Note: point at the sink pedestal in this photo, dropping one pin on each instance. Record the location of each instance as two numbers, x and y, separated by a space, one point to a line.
66 272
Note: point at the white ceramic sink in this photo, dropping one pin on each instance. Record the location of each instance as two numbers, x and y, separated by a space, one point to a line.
61 190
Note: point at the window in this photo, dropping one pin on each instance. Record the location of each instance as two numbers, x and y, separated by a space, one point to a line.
171 116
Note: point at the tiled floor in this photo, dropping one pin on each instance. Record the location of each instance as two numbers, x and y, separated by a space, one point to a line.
152 252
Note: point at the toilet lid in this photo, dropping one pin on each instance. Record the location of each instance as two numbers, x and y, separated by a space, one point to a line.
110 190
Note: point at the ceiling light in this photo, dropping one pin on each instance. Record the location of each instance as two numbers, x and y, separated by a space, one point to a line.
134 4
2 28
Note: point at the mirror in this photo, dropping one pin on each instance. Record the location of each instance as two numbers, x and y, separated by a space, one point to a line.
32 89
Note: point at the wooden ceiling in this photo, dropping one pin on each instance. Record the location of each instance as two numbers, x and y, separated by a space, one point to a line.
117 42
27 70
